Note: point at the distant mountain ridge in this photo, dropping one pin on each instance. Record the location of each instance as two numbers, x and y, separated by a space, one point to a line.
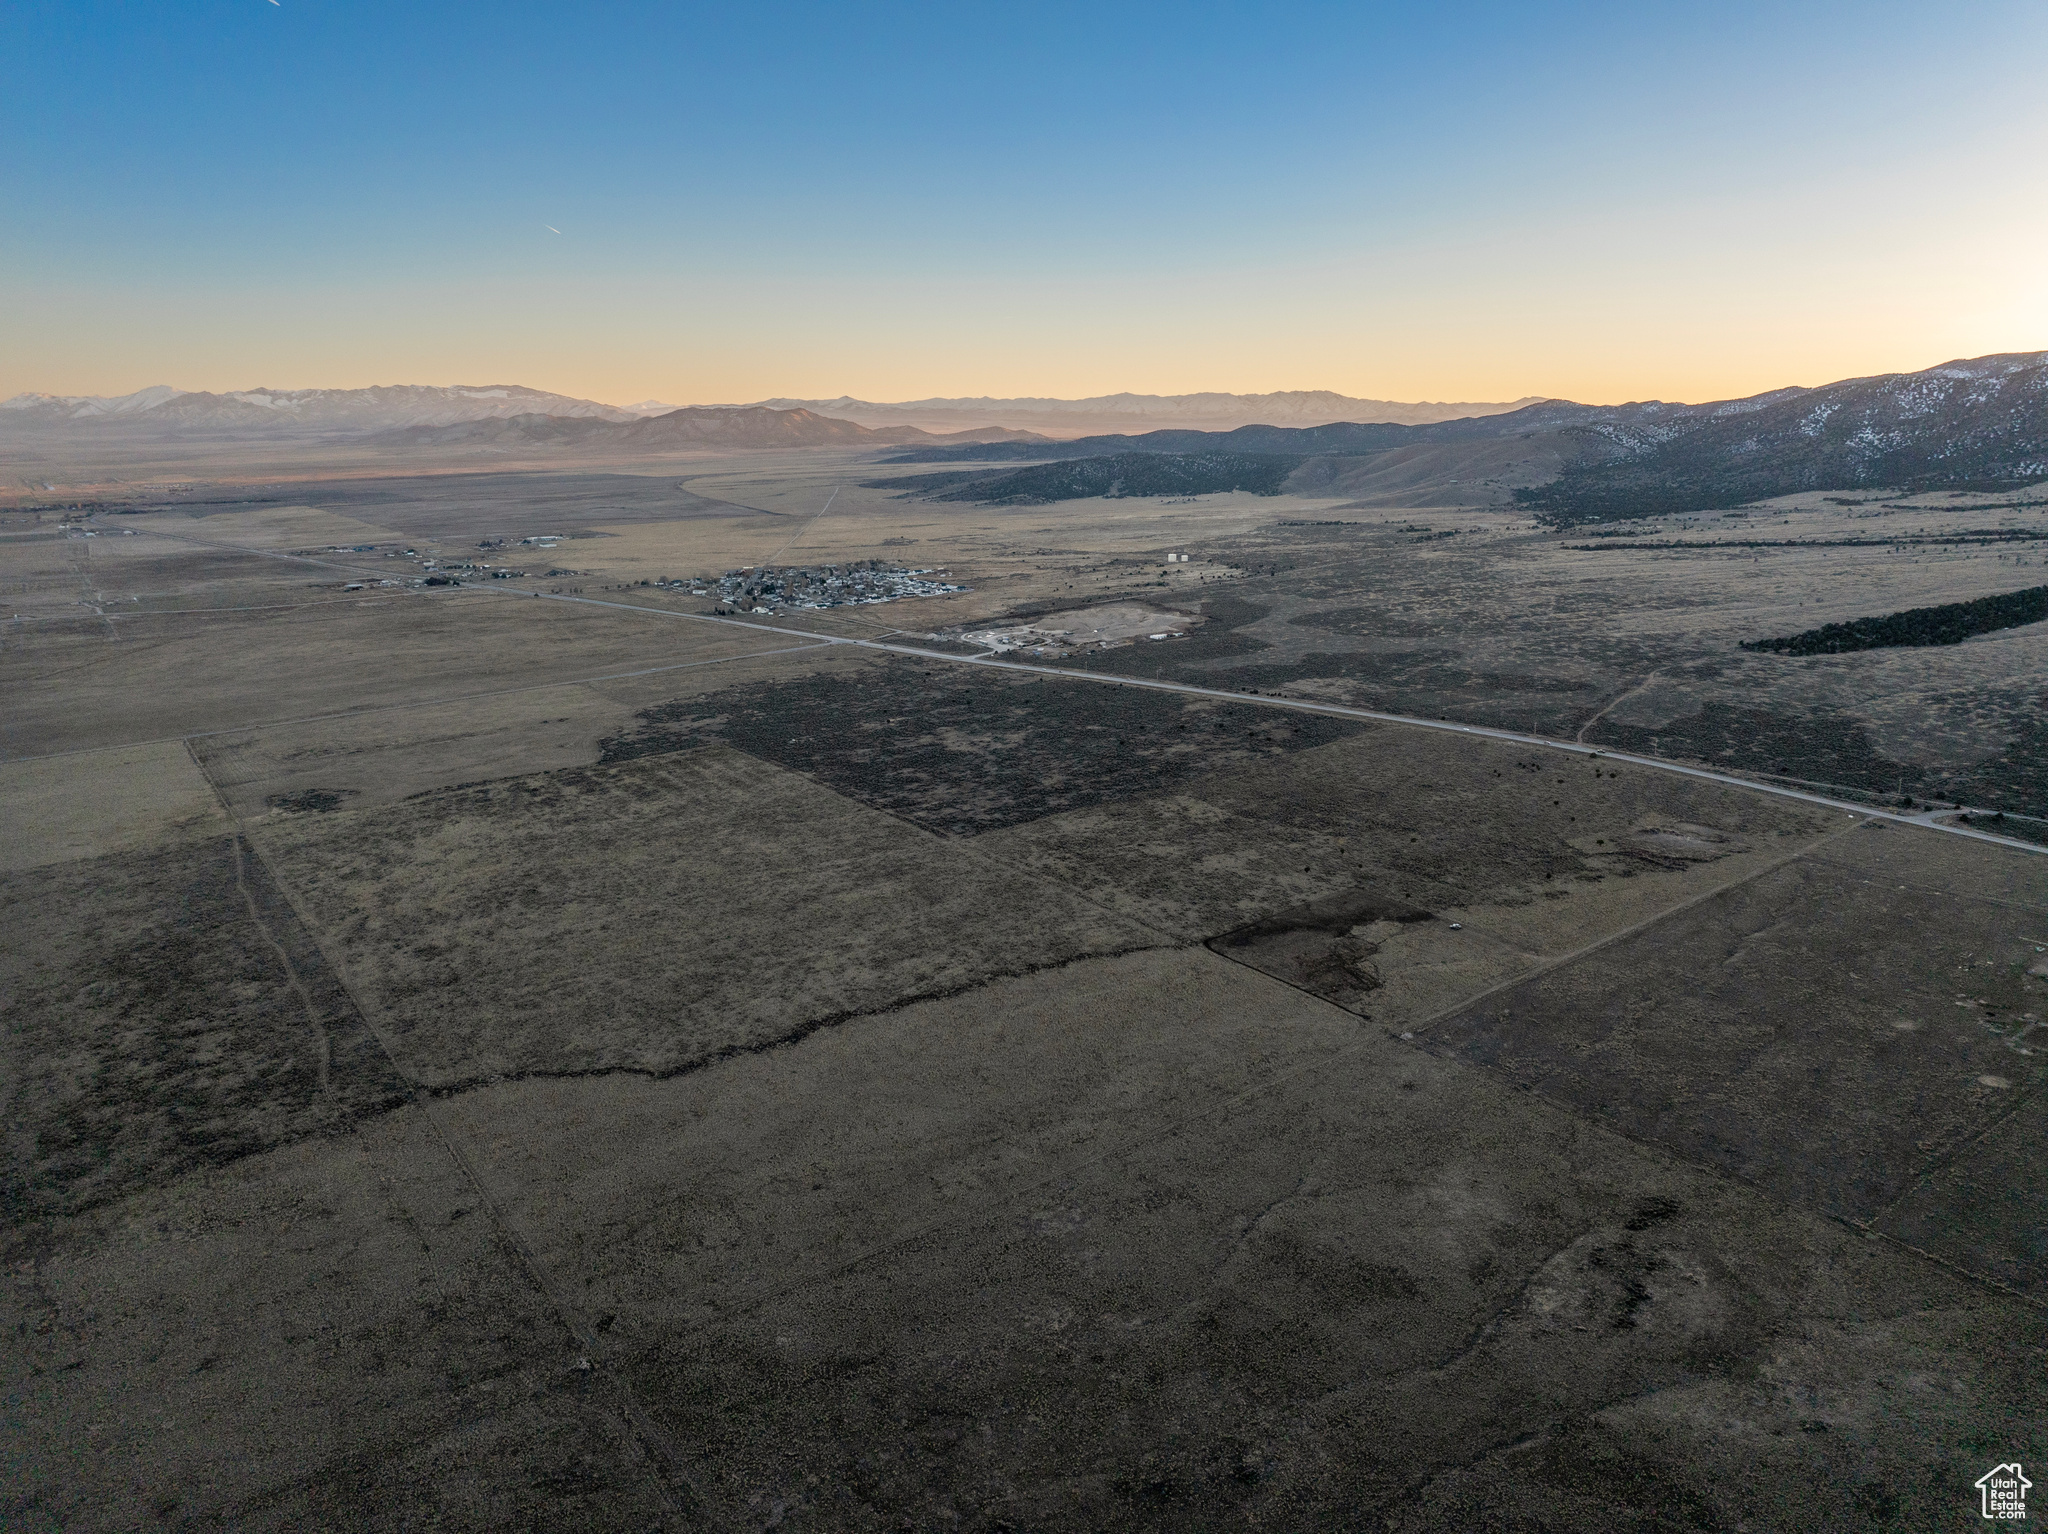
168 410
1975 421
85 407
1335 437
1119 412
1971 422
1979 420
696 426
163 408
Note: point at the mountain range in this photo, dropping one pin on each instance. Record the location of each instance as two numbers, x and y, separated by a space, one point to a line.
1973 422
1127 412
167 410
698 426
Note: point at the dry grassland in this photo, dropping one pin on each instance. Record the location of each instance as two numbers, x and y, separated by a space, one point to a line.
1721 1032
138 796
280 529
1331 1296
653 916
479 1062
779 1168
379 755
1541 851
327 1336
196 673
165 1012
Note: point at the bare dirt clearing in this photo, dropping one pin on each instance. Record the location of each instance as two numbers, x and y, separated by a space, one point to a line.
1090 627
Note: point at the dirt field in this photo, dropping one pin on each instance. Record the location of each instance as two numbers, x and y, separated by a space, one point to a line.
482 1060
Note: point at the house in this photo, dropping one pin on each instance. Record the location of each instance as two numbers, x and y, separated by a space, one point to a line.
2004 1489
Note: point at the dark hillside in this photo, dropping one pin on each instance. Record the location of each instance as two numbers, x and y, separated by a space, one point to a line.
1303 440
1338 439
925 484
1982 422
1976 423
1125 474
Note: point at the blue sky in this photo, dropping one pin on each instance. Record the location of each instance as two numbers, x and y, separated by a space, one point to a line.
1475 201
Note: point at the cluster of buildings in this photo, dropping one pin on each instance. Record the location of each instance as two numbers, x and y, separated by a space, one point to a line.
770 588
439 572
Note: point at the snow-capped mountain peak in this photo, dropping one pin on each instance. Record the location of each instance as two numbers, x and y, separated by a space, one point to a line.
163 408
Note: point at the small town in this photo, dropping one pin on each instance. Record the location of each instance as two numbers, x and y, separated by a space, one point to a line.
770 588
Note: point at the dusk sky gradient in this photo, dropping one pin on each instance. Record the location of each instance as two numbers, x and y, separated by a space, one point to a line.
1467 202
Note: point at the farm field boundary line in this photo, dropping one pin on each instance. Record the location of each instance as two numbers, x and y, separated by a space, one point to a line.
1284 1077
659 1458
205 612
993 662
1621 934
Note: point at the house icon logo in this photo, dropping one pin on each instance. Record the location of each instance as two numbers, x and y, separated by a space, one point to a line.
2004 1488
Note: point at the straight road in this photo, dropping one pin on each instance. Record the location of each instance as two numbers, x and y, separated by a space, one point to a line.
1923 819
991 660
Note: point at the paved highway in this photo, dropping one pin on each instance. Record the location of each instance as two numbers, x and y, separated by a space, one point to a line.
1926 820
993 661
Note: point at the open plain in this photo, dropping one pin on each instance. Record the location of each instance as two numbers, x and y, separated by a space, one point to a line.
533 1051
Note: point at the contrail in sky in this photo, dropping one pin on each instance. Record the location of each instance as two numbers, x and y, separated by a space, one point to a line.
551 229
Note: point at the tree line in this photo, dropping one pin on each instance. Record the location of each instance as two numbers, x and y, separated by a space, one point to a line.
1950 623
